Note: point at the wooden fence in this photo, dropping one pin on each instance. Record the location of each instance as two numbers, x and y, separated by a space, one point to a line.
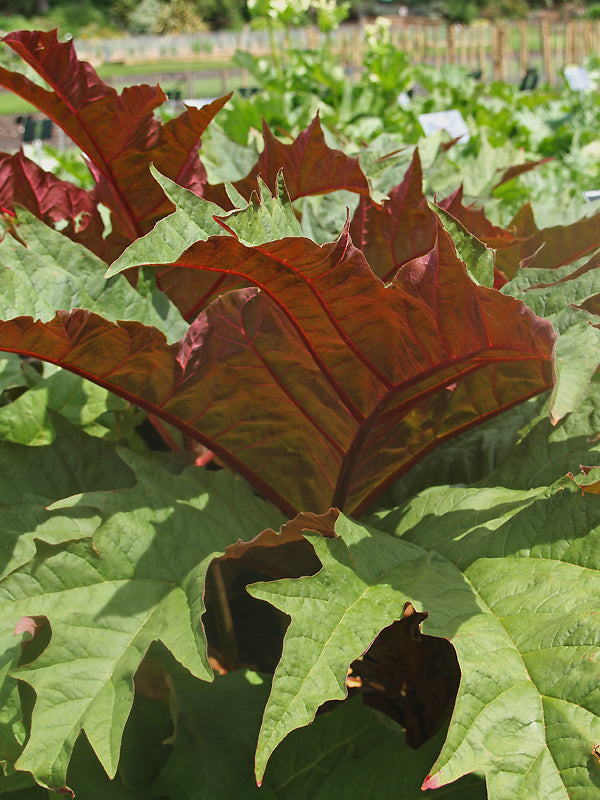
501 50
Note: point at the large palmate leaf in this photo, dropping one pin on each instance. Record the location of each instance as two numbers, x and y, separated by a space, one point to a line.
300 362
347 752
336 614
535 568
142 579
118 133
511 577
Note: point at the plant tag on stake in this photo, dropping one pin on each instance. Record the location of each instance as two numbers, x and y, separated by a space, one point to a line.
592 196
577 78
451 121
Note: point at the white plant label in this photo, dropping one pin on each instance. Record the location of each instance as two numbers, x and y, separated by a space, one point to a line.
450 121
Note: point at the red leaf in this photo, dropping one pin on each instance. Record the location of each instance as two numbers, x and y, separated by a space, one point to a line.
476 222
550 247
23 183
309 167
321 385
519 169
30 625
399 230
118 133
176 155
590 303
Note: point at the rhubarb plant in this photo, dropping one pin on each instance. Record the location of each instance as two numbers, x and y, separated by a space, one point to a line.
283 517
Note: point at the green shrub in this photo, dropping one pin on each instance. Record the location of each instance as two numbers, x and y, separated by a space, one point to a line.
458 12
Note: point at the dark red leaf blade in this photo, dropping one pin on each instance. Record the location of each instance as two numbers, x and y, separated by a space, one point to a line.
319 384
309 167
400 230
550 247
177 153
520 169
118 133
476 222
56 202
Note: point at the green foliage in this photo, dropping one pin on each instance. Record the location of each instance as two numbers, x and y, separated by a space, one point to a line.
459 12
278 433
508 128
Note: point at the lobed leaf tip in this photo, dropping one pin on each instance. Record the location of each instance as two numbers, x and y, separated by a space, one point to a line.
430 782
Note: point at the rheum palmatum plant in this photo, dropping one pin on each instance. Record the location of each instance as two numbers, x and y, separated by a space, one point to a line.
282 519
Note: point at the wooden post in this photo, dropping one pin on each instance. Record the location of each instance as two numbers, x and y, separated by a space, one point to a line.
497 51
439 46
472 50
482 43
580 41
405 37
524 51
560 44
547 52
462 52
588 37
451 44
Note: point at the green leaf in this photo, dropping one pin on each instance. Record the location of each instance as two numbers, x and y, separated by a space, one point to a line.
216 732
560 295
193 221
519 607
576 359
11 372
141 580
88 780
26 420
265 218
348 752
53 272
73 463
478 258
527 713
546 452
366 579
27 521
354 753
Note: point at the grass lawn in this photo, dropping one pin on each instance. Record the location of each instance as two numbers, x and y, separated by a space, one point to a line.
118 70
